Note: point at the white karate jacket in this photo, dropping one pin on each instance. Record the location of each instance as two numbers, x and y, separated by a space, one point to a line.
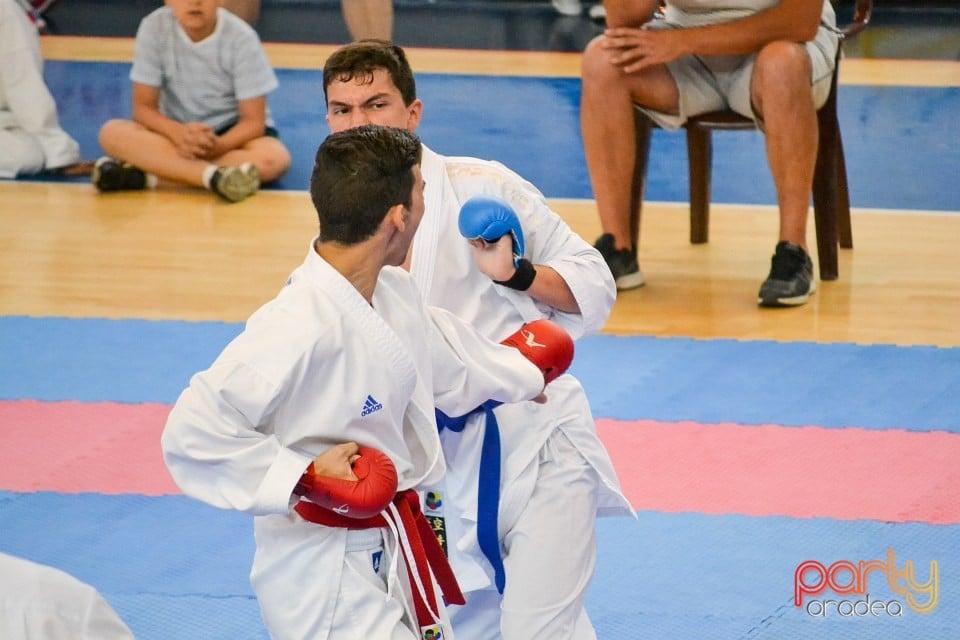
296 381
443 266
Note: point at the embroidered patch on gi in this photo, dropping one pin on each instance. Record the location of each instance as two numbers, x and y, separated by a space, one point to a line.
370 406
432 503
433 512
433 632
375 559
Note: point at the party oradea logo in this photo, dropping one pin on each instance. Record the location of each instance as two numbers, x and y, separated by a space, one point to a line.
866 589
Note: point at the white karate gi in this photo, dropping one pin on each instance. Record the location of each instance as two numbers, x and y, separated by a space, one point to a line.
314 367
30 135
556 475
38 602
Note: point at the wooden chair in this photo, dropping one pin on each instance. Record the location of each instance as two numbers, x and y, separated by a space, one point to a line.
831 202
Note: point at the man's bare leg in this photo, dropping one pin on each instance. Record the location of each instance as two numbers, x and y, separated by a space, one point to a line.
609 141
368 18
782 95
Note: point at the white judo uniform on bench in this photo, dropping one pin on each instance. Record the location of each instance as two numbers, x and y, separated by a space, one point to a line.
315 367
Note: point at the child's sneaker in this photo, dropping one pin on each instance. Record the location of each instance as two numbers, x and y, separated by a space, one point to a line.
114 175
235 183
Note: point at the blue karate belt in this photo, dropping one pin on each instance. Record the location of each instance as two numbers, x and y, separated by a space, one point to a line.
488 494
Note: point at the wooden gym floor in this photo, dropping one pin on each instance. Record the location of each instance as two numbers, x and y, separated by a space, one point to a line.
67 251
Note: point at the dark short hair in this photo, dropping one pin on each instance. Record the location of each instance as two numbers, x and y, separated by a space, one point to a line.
358 175
358 60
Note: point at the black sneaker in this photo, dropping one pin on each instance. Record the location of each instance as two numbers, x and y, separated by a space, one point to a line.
114 175
622 262
791 281
235 183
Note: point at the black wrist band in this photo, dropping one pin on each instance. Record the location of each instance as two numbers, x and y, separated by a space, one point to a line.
522 277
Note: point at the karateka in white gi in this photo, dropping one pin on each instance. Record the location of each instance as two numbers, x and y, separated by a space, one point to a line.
524 563
40 602
31 139
345 355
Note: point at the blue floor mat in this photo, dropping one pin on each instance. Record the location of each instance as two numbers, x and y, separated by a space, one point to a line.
174 568
669 379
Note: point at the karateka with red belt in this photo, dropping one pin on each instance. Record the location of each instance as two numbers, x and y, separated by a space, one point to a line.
318 419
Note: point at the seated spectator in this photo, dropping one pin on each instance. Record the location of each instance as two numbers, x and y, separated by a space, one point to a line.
770 60
31 139
200 117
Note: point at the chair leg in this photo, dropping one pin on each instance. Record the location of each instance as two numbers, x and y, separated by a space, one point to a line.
644 128
826 192
700 158
845 227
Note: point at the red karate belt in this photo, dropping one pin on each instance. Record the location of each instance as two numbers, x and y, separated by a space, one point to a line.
428 555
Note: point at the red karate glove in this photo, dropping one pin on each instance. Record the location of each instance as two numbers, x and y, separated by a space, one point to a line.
545 344
374 489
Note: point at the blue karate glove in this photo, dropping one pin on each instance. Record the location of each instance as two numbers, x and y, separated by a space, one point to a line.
491 218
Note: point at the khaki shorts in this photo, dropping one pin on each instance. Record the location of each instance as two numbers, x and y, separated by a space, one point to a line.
716 83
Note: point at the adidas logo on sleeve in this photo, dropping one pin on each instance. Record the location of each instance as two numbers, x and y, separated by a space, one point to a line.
370 406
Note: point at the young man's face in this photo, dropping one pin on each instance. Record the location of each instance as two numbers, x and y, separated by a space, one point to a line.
198 18
355 103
